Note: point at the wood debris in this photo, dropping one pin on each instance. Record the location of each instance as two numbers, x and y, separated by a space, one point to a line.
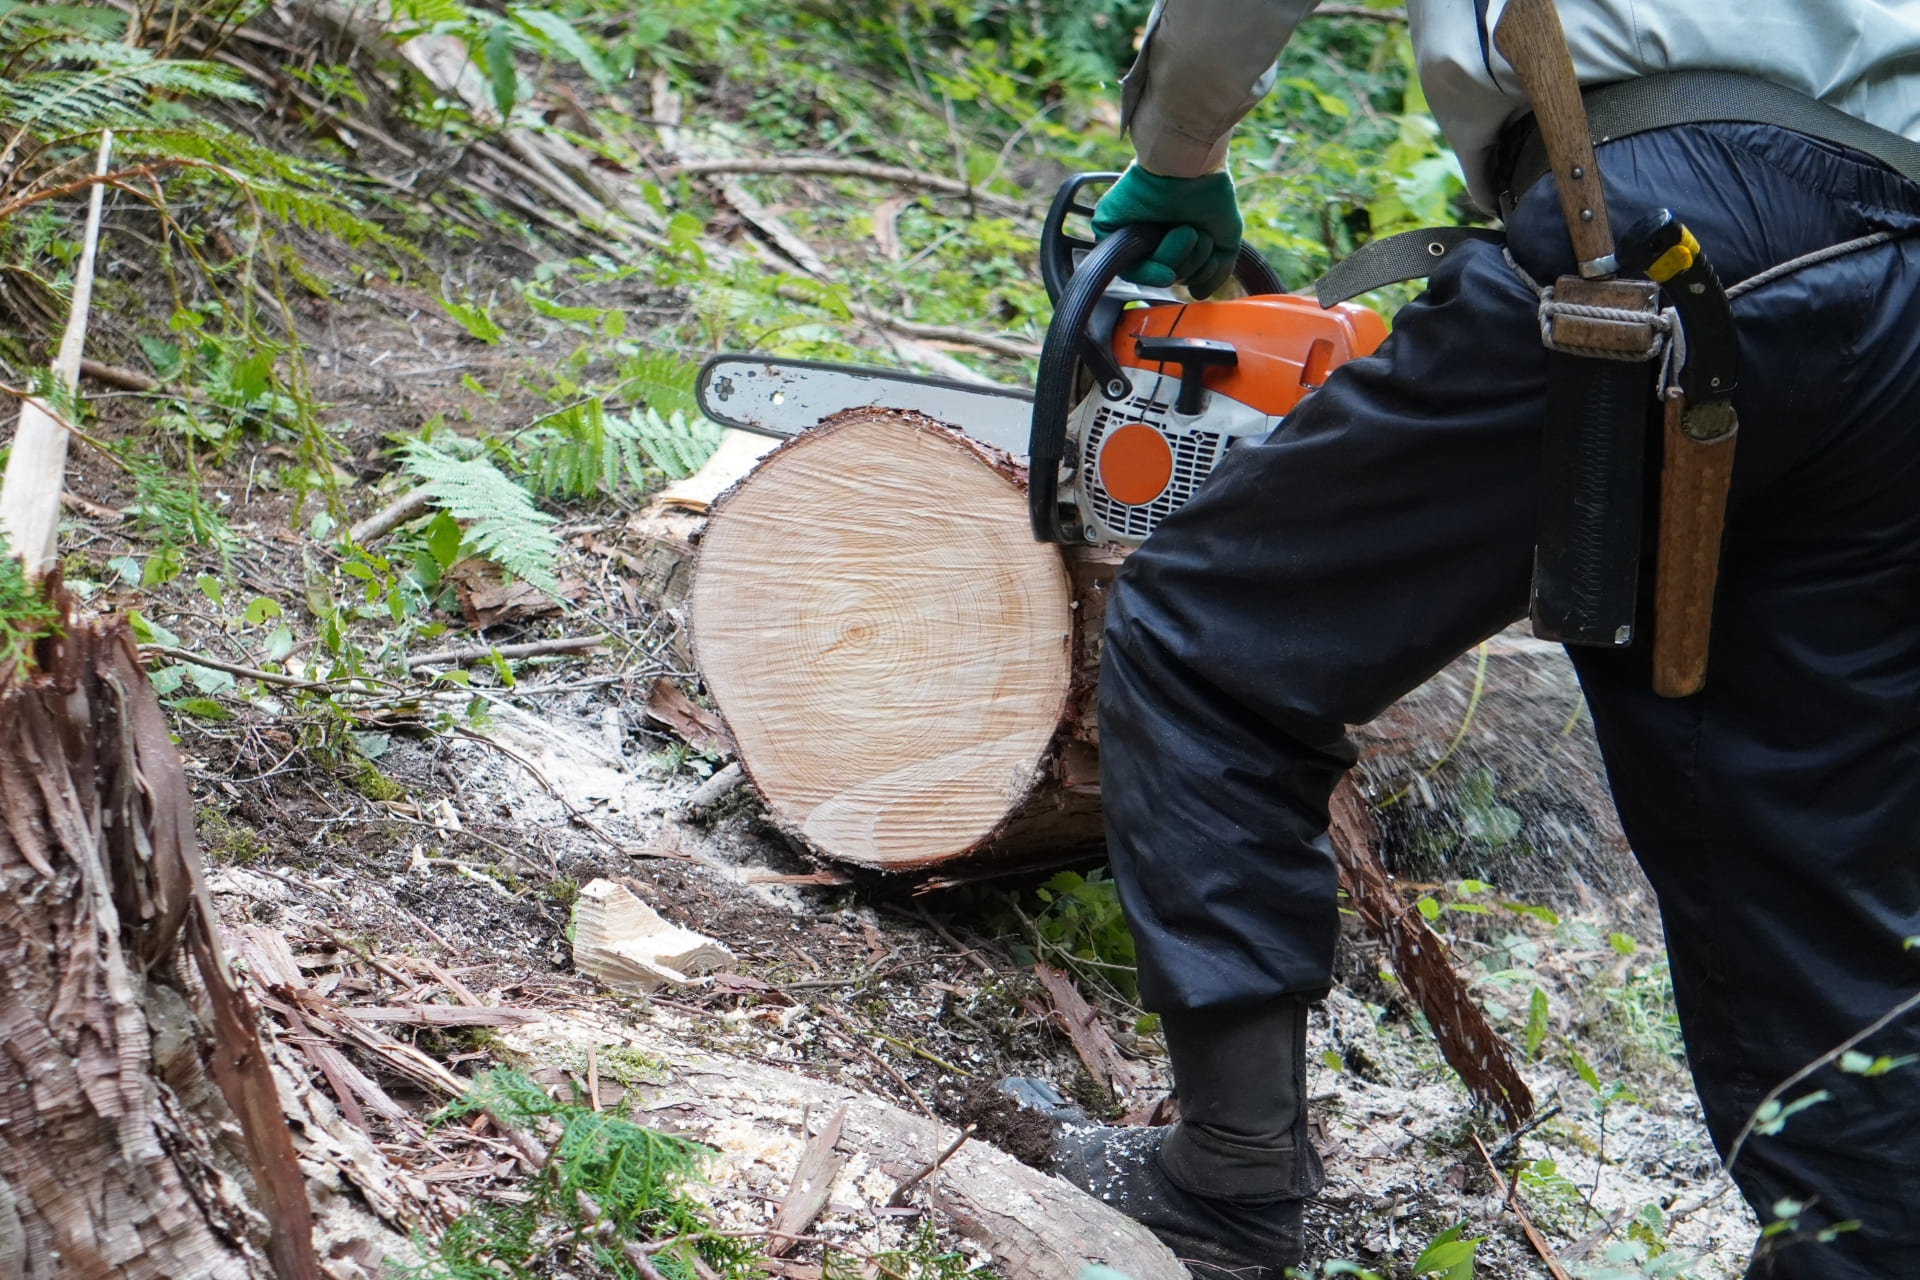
627 944
1091 1041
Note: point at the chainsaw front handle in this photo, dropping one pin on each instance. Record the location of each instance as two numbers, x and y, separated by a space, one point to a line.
1057 387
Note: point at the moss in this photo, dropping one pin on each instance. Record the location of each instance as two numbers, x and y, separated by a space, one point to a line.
227 842
373 784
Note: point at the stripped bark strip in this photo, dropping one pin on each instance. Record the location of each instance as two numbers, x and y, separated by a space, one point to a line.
1467 1042
1090 1039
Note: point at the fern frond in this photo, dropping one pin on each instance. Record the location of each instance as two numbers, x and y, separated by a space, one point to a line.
678 445
500 518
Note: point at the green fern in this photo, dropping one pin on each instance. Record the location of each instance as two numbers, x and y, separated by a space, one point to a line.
500 518
678 445
584 450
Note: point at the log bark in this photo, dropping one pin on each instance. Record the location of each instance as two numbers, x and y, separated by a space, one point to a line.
124 1070
908 674
1038 1227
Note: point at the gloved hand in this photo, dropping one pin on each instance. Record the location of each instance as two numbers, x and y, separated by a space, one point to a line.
1202 218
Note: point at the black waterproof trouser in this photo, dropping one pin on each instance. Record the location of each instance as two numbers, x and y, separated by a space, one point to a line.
1388 526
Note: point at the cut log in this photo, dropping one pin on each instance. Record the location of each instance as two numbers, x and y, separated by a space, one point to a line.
904 668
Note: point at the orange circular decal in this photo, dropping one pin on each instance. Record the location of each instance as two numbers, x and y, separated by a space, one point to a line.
1136 464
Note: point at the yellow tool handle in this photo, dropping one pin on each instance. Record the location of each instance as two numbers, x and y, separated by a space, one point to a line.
1530 38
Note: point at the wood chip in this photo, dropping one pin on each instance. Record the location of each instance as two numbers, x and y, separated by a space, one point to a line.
626 944
812 1181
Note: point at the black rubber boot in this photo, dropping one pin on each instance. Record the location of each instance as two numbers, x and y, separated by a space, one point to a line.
1224 1187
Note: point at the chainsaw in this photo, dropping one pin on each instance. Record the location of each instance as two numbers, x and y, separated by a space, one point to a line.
1139 395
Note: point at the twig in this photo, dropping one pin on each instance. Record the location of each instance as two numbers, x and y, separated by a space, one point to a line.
875 1058
412 503
236 669
715 788
827 167
1013 347
481 652
1526 1224
900 1193
1886 1019
1540 1117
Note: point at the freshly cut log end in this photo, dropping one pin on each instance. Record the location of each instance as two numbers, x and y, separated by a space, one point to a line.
889 645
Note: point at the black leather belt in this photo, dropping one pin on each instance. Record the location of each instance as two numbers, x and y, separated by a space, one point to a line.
1628 107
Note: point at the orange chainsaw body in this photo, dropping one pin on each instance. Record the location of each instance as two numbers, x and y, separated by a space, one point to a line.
1287 344
1140 458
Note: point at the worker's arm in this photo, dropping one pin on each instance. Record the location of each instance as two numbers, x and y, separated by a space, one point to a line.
1203 65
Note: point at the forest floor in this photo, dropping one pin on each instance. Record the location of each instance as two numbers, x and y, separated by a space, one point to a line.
449 872
417 840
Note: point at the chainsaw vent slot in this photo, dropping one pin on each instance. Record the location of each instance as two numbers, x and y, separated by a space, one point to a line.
1195 454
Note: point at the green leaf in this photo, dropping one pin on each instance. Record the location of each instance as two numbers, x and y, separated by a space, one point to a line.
1332 1061
147 631
475 320
1537 1014
1450 1258
201 708
1428 908
555 33
1583 1069
279 644
496 52
1771 1117
1623 943
163 357
443 541
260 608
166 680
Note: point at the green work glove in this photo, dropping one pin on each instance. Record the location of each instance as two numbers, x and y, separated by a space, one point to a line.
1202 218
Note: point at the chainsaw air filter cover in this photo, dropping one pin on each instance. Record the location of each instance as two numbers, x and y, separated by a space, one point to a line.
1201 377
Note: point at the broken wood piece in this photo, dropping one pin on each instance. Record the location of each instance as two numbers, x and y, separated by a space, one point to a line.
1090 1038
488 597
739 452
714 789
626 944
900 1193
669 707
410 505
482 652
812 1183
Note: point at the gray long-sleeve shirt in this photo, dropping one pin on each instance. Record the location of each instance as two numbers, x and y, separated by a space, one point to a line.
1205 63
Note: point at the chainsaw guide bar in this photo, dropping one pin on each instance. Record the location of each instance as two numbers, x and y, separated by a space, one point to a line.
780 397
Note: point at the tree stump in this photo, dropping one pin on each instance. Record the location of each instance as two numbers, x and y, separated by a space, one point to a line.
122 1076
907 672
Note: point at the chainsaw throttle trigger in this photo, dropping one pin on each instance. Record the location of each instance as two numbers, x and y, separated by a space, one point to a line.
1194 356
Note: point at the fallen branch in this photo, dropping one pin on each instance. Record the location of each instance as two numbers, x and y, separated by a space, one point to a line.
714 789
1526 1224
829 167
1090 1039
482 652
235 668
1013 347
406 507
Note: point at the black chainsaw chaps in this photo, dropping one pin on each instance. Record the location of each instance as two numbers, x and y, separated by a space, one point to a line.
1387 527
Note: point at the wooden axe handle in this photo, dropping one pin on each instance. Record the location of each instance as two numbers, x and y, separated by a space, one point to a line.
1693 510
1530 38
